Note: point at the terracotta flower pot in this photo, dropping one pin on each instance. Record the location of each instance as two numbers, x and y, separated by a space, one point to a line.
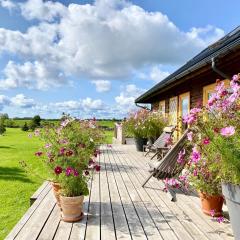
211 203
71 208
56 191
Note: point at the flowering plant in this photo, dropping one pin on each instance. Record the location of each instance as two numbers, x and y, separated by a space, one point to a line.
144 124
215 139
68 153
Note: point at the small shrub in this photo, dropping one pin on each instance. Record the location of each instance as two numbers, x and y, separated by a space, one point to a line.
2 127
25 127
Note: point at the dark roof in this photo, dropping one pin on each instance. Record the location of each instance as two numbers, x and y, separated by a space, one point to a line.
222 46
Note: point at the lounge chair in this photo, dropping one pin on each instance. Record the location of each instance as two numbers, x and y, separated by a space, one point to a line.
159 146
168 167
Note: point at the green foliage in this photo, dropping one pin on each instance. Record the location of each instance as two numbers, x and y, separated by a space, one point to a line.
2 126
144 124
37 120
25 127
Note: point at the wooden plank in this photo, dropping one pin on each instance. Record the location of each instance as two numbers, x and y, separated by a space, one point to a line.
27 215
63 231
39 191
38 219
93 218
161 223
193 215
51 225
119 215
134 223
107 224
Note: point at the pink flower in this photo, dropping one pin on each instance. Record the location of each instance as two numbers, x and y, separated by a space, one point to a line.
38 154
58 170
220 219
195 172
37 132
181 156
68 171
227 131
91 162
190 136
206 141
196 156
48 145
86 173
75 173
63 141
62 151
212 212
168 141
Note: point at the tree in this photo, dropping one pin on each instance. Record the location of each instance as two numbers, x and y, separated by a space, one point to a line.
32 125
37 120
2 127
25 127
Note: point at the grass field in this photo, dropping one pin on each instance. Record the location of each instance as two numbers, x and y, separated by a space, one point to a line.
17 186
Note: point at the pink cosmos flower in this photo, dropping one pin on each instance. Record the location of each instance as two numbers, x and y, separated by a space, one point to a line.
63 141
212 212
190 136
38 153
58 170
181 156
62 151
75 173
68 171
196 156
86 173
91 162
206 141
195 172
220 219
48 145
69 153
37 132
227 131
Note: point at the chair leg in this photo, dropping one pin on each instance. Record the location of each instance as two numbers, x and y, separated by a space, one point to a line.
154 155
148 179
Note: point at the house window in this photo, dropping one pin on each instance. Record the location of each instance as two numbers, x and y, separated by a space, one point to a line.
183 110
173 109
209 90
162 107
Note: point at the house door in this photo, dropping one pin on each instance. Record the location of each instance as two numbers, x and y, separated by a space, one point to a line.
183 110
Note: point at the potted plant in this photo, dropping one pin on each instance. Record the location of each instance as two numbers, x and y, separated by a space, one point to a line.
135 126
219 124
143 125
68 155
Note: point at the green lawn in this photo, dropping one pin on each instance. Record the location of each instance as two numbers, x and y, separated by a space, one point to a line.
17 186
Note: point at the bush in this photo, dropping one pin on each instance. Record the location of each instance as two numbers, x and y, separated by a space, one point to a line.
2 127
25 127
32 125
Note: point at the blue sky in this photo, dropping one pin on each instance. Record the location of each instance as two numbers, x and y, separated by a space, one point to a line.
93 58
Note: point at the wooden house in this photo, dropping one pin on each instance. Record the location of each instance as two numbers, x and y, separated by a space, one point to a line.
192 84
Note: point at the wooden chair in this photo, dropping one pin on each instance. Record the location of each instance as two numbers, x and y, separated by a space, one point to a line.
168 167
159 146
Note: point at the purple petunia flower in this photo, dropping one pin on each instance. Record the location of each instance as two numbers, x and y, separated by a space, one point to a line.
220 219
196 156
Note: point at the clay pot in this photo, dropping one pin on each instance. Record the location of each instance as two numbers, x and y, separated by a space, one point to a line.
211 203
71 208
56 191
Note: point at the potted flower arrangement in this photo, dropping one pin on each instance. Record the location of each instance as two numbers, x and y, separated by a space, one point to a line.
218 126
68 154
144 124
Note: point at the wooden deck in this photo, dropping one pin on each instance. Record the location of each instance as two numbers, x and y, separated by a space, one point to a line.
119 208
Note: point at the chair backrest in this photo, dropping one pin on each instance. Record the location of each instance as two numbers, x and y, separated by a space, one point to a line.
161 141
169 166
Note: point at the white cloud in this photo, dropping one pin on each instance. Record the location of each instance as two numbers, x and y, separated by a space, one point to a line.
157 74
90 104
126 98
37 9
106 40
20 100
37 75
7 4
102 85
